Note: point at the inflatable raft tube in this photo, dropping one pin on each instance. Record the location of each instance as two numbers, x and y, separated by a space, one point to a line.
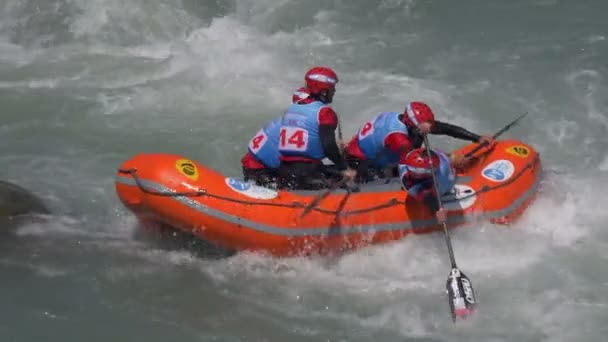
183 193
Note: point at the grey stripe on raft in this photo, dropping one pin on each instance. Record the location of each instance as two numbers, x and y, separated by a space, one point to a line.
320 231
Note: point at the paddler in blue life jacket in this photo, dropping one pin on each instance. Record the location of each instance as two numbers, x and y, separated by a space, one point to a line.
307 136
417 180
261 162
381 142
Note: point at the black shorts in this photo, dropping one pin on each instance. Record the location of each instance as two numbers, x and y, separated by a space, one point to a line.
366 173
304 176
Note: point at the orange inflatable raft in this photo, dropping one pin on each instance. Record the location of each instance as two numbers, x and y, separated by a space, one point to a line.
236 215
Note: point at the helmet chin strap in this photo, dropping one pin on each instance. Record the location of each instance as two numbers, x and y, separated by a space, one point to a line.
325 97
320 97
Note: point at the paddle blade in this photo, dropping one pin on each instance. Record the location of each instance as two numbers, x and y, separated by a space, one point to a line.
460 294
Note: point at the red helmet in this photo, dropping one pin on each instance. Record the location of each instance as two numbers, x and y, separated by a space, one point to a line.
417 163
319 79
416 113
300 95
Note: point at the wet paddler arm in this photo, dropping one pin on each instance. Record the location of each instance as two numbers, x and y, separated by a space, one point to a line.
454 131
330 147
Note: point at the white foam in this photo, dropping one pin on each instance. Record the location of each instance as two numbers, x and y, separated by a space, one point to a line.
225 63
136 22
15 54
39 268
595 39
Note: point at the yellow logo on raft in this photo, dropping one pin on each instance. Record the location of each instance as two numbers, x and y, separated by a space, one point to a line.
518 150
187 168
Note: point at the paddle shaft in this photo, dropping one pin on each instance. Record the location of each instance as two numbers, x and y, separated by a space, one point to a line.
340 137
448 240
499 133
322 196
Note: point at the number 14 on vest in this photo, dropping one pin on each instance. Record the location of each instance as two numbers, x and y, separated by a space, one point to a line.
293 139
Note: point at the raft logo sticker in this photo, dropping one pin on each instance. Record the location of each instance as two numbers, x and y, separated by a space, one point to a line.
187 168
251 190
461 198
518 150
498 171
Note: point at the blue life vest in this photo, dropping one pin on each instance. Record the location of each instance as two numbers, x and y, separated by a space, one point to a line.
372 135
265 144
445 174
299 132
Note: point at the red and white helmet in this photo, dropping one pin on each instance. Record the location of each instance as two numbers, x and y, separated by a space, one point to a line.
416 113
319 79
300 95
417 163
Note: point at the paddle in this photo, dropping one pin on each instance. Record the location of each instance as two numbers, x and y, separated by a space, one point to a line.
458 285
333 187
340 137
499 133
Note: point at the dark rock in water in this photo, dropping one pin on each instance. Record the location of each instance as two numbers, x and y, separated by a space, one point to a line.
16 202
